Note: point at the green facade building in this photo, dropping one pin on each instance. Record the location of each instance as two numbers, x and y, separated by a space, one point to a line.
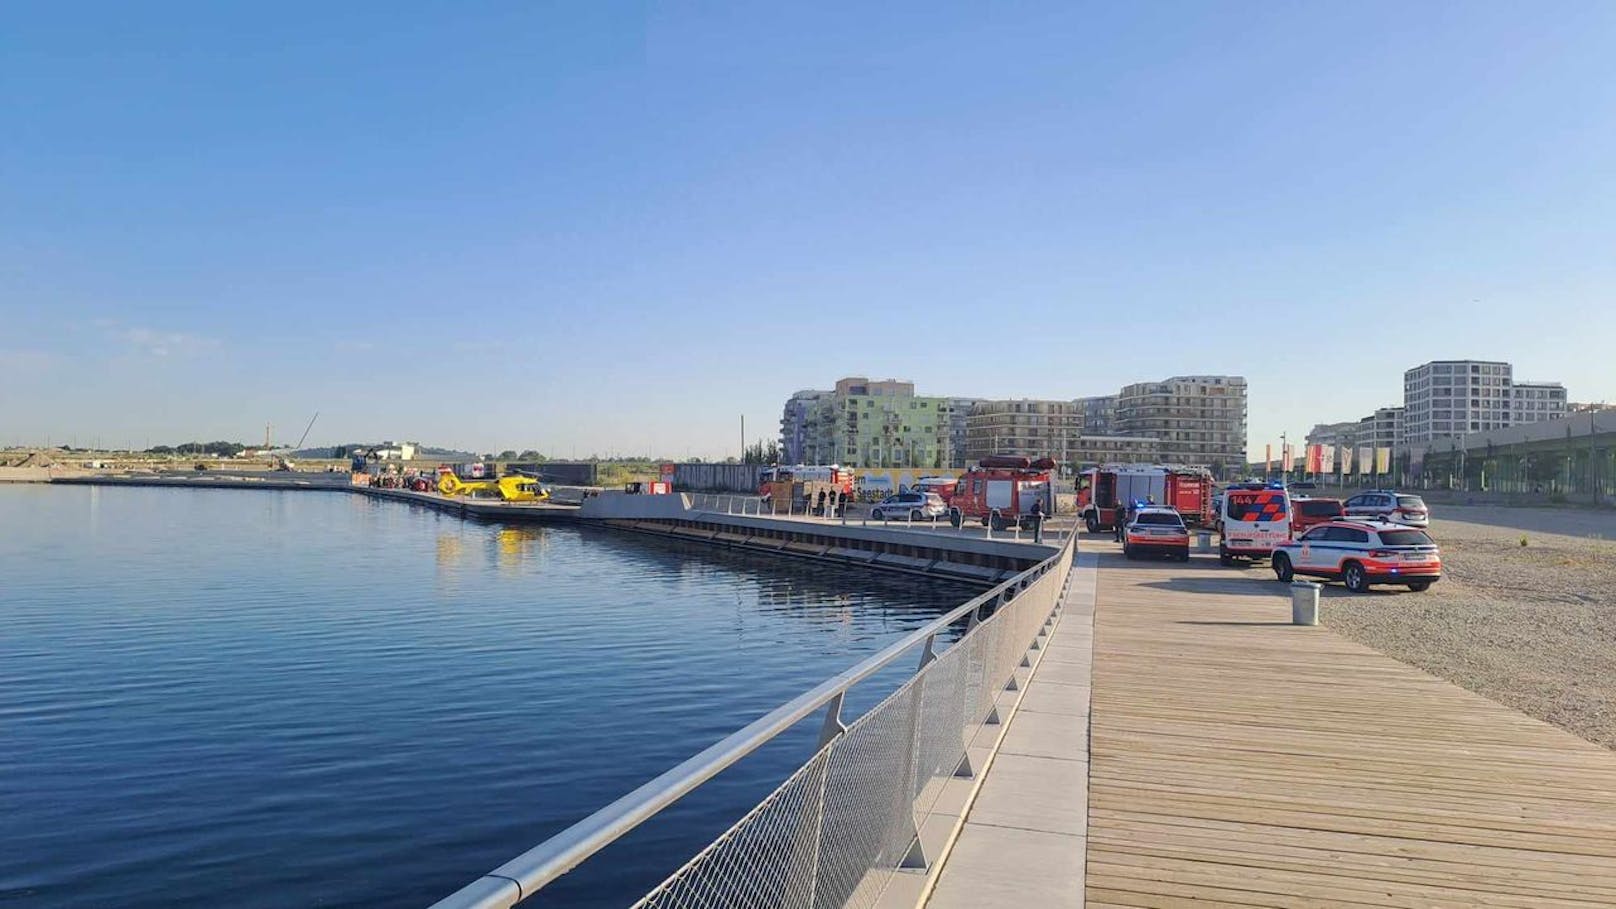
878 424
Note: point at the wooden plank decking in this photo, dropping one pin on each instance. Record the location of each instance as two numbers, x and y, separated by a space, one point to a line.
1240 761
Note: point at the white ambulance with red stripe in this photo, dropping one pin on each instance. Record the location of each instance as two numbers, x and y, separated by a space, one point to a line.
1254 519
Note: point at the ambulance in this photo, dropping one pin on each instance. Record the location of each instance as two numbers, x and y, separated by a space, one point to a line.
1253 520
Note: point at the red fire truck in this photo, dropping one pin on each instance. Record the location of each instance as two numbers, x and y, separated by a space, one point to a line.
1000 492
943 486
1103 490
833 474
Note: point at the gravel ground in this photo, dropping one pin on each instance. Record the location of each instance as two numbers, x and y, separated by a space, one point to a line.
1533 627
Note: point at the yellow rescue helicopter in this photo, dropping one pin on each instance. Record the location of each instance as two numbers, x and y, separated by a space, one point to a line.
511 487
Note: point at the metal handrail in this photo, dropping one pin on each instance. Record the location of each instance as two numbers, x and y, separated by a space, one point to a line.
542 864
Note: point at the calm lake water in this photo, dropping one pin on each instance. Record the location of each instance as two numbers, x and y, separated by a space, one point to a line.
253 698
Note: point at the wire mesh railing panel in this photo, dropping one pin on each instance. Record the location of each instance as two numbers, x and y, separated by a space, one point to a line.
940 711
766 861
833 834
869 812
984 644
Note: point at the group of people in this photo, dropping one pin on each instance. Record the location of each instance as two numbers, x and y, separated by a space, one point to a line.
829 503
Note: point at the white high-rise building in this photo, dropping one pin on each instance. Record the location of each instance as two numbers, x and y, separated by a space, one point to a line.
1455 397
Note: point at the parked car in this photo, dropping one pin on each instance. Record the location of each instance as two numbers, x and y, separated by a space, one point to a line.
1156 530
1396 507
1306 513
1361 552
916 506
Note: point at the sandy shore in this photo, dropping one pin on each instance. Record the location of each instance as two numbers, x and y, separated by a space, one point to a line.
1533 627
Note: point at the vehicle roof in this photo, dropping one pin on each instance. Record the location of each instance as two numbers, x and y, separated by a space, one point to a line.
1158 509
1369 523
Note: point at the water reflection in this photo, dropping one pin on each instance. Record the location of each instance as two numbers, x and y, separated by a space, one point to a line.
293 687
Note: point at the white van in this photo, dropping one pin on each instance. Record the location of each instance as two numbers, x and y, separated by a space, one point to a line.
1252 521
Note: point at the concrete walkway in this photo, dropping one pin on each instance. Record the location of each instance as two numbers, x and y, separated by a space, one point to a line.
1023 842
1233 759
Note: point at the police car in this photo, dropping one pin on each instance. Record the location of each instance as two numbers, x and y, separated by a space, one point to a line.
1387 505
1360 552
1158 530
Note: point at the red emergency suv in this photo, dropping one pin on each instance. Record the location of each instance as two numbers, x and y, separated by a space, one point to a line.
1307 513
1361 552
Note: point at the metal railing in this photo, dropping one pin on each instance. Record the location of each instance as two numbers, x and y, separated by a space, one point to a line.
749 505
835 831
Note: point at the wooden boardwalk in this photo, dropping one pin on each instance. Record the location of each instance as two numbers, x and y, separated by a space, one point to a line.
1236 760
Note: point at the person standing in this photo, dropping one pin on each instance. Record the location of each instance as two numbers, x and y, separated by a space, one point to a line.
1120 520
1038 520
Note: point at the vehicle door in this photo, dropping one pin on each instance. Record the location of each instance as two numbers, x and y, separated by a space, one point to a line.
1341 544
1105 491
1312 549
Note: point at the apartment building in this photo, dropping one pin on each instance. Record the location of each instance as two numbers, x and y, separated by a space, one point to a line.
860 423
1023 428
1381 429
1334 434
1196 419
876 424
794 424
1093 450
1099 412
1537 402
959 414
1445 398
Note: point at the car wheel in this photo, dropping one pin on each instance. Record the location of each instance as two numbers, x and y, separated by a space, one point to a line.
1224 558
915 515
1185 555
998 524
879 515
1282 567
956 517
1353 576
1092 523
1127 551
1420 586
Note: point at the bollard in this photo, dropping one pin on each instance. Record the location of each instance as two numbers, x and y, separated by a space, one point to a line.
1305 602
1203 541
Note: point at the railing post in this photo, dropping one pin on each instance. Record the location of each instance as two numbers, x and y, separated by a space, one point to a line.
833 726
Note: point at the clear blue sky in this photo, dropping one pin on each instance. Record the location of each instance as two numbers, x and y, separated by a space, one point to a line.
589 227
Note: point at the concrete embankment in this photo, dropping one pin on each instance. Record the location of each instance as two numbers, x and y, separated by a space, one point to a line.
969 559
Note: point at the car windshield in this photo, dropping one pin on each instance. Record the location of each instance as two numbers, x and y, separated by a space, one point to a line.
1167 520
1405 538
1410 502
